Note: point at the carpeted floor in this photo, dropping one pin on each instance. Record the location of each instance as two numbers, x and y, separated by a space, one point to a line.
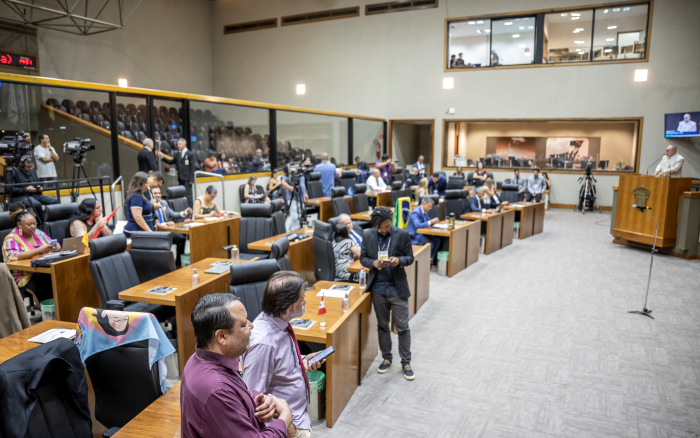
535 341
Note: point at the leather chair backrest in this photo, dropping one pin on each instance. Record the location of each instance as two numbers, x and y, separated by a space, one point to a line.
278 226
435 211
338 192
248 281
314 185
470 178
339 201
509 192
152 254
6 225
56 219
111 266
396 185
256 223
397 191
279 252
489 175
359 198
399 176
177 199
453 203
455 183
123 381
323 252
347 178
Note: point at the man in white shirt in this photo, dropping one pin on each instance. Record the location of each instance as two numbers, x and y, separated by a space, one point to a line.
420 166
687 125
536 185
670 165
375 182
45 156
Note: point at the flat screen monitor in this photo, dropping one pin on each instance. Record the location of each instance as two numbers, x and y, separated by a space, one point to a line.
682 124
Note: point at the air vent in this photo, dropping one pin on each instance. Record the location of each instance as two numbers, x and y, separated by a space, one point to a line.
383 8
251 25
312 17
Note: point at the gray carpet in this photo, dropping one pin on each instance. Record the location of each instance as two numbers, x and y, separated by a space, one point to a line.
535 341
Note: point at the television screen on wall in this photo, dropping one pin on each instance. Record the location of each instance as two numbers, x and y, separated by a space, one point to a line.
682 124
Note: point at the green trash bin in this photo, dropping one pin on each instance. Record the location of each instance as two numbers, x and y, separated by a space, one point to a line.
443 258
185 260
48 311
317 402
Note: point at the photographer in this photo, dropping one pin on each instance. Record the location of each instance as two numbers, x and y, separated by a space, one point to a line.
296 202
30 191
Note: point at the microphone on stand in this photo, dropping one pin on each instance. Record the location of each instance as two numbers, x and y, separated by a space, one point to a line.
655 161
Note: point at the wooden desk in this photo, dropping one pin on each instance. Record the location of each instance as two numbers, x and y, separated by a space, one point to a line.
463 244
209 239
365 215
499 228
301 253
73 286
160 419
531 217
184 298
383 198
325 206
353 335
418 275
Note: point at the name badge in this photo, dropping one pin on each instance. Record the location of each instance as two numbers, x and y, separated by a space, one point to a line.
383 255
187 162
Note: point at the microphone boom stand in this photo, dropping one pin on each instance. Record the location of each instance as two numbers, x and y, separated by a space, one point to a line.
645 311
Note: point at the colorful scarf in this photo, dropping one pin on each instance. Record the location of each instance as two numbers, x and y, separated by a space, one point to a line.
100 330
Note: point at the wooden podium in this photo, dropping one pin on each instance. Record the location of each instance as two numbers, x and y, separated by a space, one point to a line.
635 226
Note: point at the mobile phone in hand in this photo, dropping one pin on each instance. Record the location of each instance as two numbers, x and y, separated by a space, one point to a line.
53 242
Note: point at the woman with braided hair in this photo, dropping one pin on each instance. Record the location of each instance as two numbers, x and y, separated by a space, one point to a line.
26 242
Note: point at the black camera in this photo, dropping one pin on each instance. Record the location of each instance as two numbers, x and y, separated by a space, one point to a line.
588 170
13 147
78 147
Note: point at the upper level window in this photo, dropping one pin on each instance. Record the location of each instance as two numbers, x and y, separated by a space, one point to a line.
564 36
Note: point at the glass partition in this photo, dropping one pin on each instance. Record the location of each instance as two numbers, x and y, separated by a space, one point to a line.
567 36
131 125
620 32
469 43
166 125
310 135
512 41
367 140
234 133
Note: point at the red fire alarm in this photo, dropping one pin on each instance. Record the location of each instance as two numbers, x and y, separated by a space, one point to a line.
527 49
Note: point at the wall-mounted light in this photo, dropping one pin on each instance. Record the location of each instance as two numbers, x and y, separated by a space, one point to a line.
122 83
575 18
301 89
448 83
641 75
610 39
507 23
612 27
517 35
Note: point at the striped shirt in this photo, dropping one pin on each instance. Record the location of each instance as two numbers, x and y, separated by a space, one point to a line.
14 244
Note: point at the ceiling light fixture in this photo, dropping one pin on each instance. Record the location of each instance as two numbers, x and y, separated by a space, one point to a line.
448 83
122 83
517 35
521 27
641 75
580 42
479 21
610 39
612 27
616 9
508 23
627 9
471 22
478 31
575 18
487 30
606 11
531 27
607 50
564 14
301 89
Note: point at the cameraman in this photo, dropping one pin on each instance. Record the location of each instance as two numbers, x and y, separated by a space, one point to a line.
293 221
30 191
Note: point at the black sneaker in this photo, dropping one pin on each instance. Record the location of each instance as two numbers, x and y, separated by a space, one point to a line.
384 367
408 373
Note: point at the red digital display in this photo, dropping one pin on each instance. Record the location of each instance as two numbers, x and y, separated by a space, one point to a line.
8 59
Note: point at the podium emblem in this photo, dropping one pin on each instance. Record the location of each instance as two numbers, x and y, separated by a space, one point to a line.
641 195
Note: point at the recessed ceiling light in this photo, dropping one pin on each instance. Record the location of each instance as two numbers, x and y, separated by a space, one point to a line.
579 50
122 83
626 9
450 34
448 83
478 31
487 30
301 89
616 9
641 75
575 14
564 14
531 27
521 27
522 46
612 27
607 50
508 23
606 11
575 18
610 39
479 21
580 42
471 22
578 29
517 35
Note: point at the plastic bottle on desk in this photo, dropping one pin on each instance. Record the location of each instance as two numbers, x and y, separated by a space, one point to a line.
363 279
346 303
234 254
195 278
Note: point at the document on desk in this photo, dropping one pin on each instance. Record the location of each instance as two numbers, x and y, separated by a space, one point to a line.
440 226
331 293
209 219
517 205
53 334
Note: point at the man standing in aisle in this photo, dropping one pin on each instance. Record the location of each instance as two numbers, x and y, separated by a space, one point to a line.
273 364
671 164
386 251
146 158
521 182
184 163
536 185
327 171
45 156
420 166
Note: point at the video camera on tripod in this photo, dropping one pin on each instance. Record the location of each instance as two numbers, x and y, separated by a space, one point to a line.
295 173
587 193
78 148
13 147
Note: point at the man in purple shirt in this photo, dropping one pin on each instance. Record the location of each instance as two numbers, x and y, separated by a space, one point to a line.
273 364
386 168
214 399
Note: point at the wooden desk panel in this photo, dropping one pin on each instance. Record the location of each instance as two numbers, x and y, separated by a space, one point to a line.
209 239
531 216
508 224
161 419
325 207
473 242
383 198
421 256
499 228
538 225
457 243
301 253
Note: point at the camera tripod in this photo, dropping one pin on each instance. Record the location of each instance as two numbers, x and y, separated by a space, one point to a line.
586 194
298 198
75 183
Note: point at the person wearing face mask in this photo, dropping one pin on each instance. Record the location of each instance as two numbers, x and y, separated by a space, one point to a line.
273 364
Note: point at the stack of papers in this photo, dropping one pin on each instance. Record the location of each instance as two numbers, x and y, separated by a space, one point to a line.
53 334
517 205
441 226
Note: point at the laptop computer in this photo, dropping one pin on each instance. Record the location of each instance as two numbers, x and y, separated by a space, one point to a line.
74 244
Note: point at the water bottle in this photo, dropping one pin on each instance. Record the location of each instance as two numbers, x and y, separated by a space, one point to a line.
346 302
234 254
195 278
363 279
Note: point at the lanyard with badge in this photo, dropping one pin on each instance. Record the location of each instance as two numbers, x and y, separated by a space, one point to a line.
384 252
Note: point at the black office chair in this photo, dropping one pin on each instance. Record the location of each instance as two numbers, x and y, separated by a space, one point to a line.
509 192
435 211
348 178
397 191
113 271
314 186
453 203
470 178
56 219
177 199
255 224
278 226
455 183
279 252
339 201
323 252
6 225
248 281
258 189
49 381
359 198
152 254
399 175
124 384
